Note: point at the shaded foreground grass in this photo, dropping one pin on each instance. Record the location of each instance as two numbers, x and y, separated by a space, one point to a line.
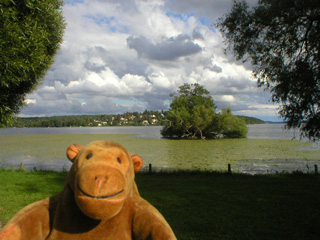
201 205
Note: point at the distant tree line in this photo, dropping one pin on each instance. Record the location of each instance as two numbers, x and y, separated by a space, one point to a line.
147 118
251 120
152 118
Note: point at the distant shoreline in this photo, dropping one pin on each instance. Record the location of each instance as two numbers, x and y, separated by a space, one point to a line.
147 118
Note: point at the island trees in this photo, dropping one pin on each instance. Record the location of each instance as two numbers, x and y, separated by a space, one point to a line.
192 115
281 40
30 35
231 126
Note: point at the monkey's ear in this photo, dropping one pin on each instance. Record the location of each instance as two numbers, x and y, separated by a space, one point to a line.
137 162
73 151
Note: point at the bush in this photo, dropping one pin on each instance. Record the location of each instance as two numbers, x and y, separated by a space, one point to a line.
232 126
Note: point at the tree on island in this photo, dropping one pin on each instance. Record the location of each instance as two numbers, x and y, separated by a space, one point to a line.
231 126
282 41
192 115
30 35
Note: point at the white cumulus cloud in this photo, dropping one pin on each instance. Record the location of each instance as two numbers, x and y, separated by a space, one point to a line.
129 55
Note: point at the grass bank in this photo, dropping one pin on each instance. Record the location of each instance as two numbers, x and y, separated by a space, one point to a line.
201 205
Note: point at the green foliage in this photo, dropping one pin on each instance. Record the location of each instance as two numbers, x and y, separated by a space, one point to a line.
192 115
281 39
232 126
30 34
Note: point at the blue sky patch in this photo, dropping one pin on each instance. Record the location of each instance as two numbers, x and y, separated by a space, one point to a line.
207 22
183 17
127 102
73 2
111 22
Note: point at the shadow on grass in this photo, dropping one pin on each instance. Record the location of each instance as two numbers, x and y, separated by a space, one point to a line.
215 205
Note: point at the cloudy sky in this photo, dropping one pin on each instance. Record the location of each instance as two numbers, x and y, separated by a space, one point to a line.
125 55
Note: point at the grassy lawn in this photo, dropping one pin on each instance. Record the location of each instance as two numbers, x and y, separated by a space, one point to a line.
201 205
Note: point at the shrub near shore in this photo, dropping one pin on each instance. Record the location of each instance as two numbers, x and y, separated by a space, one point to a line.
201 205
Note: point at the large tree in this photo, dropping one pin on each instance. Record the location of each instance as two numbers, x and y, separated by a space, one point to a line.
30 34
191 112
281 39
193 115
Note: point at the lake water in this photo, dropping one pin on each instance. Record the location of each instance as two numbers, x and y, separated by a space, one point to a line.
35 157
261 131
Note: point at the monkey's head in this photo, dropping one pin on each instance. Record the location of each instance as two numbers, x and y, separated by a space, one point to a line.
101 177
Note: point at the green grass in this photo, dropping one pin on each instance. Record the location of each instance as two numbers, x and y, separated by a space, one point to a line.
19 188
201 205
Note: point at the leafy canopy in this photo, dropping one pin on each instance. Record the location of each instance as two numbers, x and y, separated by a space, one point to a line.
30 34
192 115
282 41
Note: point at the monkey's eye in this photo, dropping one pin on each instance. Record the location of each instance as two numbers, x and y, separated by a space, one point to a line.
119 160
89 156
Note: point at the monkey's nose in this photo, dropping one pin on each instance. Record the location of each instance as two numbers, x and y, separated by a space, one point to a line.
100 180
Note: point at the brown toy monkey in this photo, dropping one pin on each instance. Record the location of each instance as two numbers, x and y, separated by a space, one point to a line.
100 200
